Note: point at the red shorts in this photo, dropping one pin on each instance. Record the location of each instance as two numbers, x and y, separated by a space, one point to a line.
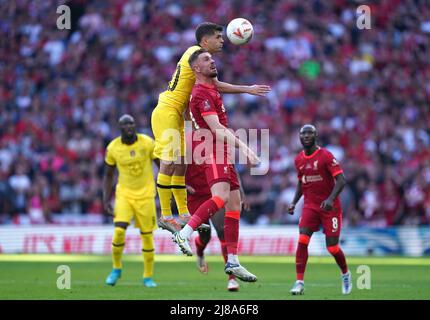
195 201
331 221
221 172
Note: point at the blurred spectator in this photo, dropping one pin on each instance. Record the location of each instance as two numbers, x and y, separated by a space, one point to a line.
367 91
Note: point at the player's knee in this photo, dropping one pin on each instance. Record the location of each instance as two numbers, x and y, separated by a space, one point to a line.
121 225
167 167
333 249
119 235
180 169
225 197
205 236
304 239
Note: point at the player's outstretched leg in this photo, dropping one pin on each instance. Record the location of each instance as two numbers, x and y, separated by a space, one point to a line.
203 213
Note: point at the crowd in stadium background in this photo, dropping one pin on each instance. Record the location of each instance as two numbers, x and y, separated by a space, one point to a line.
367 92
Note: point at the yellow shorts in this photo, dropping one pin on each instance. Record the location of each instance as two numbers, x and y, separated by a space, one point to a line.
169 132
143 211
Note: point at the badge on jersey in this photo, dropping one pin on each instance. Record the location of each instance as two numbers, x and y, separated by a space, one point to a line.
206 106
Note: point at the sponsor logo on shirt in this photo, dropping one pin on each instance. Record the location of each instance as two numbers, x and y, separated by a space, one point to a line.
314 178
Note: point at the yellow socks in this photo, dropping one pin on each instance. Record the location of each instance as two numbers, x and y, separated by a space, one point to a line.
118 242
164 193
148 254
180 193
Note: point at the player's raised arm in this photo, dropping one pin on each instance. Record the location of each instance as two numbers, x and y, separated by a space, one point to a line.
222 133
256 89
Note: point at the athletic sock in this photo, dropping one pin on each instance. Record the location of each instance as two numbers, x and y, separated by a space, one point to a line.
165 194
179 190
118 243
231 231
147 254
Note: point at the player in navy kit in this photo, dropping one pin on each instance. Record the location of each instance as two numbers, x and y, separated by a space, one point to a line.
320 180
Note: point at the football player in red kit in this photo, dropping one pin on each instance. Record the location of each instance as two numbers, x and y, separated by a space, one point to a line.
198 193
320 180
209 118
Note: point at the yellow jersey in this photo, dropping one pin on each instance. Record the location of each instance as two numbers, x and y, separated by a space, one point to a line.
134 164
178 92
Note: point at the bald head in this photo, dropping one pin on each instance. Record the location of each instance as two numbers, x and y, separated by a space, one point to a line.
128 129
125 118
308 127
308 136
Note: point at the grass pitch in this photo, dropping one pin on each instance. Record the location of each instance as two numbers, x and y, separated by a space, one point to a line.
35 277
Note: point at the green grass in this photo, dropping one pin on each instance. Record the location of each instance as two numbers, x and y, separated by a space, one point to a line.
35 277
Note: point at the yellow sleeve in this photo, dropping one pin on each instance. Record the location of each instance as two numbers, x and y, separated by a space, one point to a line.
151 146
109 158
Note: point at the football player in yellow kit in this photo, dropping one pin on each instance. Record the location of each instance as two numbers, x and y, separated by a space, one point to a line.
167 123
132 155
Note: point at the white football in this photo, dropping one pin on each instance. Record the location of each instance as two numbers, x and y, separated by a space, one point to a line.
239 31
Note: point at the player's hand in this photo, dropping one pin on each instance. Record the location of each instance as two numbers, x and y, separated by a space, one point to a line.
108 208
259 90
291 208
254 160
327 205
246 206
190 189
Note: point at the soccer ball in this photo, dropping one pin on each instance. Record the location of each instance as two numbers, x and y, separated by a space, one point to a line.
239 31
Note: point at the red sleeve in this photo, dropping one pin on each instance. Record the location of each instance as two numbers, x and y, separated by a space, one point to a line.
204 104
332 165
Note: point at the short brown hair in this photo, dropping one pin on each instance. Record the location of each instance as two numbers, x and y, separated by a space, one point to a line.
195 55
207 29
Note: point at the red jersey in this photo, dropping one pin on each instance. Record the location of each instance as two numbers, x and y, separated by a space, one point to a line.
317 172
206 100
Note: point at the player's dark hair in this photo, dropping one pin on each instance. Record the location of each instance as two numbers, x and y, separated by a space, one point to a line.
206 29
195 55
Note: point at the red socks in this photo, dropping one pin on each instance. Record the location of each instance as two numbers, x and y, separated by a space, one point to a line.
231 231
302 256
205 211
338 255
